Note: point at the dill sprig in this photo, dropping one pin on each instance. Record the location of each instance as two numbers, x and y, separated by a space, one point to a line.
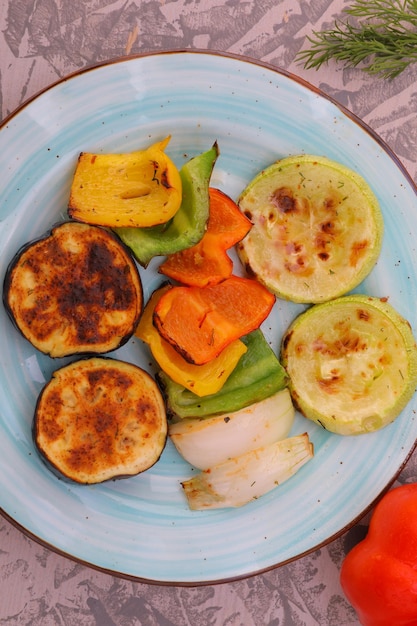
383 39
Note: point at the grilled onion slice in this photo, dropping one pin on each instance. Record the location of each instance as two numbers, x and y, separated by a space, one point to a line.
205 442
240 480
98 419
76 290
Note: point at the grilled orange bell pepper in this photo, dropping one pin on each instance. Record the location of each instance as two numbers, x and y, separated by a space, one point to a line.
203 380
379 575
201 321
207 262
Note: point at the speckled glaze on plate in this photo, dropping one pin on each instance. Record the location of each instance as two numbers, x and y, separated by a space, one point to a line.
142 527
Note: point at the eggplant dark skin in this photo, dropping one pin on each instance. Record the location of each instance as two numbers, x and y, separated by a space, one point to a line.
99 419
76 290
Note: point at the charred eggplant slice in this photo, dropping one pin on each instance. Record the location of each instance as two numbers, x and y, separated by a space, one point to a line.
99 418
77 290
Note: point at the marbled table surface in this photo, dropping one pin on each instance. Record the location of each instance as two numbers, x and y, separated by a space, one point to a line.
44 40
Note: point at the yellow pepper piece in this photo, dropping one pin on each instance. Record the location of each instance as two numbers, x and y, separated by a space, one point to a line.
202 380
136 189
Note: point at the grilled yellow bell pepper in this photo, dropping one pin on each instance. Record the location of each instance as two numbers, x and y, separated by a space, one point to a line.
138 189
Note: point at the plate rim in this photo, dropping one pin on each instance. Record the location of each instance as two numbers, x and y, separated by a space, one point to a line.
246 59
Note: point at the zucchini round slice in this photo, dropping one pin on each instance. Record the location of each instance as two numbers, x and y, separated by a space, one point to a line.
98 419
317 228
77 290
352 363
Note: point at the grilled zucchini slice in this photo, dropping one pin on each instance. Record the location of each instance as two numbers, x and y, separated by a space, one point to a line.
76 290
317 228
98 419
352 363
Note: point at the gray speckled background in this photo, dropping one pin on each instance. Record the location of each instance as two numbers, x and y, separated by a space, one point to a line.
44 40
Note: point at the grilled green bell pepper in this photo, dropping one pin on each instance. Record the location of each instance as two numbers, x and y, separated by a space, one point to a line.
188 225
257 376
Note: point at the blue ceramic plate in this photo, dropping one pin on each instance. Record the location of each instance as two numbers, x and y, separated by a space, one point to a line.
142 527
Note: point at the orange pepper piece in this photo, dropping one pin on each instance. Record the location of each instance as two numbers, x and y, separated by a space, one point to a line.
203 380
201 321
207 262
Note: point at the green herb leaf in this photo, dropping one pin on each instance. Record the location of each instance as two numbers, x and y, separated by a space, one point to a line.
382 39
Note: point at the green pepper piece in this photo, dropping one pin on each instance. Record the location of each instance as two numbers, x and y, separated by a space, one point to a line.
188 225
258 375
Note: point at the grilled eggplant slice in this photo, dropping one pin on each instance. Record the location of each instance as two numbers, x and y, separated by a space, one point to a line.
98 419
77 290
